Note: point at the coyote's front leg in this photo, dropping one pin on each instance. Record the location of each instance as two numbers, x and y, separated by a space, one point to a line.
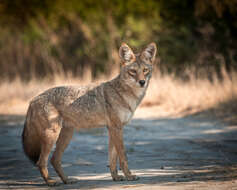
113 158
117 150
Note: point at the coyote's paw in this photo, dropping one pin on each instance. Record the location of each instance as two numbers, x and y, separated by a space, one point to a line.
132 178
70 181
118 178
52 182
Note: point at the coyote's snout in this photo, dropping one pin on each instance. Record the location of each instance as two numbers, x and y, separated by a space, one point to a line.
53 115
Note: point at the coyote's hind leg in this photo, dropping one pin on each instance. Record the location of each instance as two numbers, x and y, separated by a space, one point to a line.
61 144
50 129
43 162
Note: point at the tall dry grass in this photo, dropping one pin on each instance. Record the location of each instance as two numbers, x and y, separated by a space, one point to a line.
166 95
173 97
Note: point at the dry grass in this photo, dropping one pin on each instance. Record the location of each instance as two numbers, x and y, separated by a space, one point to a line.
172 97
166 95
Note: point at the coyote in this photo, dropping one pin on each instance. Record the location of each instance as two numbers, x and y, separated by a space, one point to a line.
53 115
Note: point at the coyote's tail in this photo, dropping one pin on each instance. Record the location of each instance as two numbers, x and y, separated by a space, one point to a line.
30 139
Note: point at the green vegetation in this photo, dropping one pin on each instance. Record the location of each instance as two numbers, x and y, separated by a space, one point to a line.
42 38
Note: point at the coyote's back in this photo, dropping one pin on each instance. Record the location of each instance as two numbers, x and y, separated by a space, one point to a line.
53 115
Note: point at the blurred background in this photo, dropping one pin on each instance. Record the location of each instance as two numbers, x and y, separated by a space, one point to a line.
46 43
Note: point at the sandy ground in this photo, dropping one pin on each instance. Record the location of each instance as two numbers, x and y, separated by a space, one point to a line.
184 153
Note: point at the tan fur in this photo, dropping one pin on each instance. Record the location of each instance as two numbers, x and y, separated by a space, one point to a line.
53 115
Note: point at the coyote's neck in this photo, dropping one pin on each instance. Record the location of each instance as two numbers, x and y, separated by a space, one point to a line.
131 96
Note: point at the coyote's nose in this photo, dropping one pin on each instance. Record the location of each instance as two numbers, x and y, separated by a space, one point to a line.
142 82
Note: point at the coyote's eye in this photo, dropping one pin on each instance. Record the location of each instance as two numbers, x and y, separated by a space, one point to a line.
145 70
132 72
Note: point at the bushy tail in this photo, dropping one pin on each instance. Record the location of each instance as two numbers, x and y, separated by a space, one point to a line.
30 139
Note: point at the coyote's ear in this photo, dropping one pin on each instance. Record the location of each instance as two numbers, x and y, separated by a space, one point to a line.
126 54
149 53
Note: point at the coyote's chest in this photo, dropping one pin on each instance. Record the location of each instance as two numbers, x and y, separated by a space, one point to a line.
125 113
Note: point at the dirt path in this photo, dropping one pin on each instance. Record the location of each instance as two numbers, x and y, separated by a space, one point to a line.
181 153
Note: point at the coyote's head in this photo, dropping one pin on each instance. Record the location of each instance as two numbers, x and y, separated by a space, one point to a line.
136 69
